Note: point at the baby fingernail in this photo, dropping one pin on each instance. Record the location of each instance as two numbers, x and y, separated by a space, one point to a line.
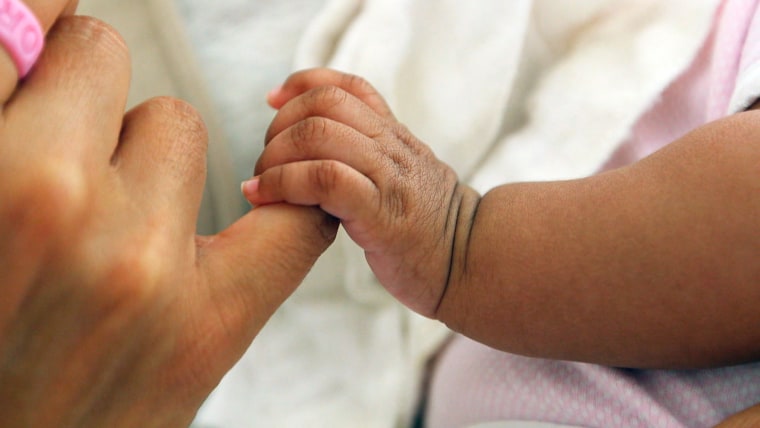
250 188
273 94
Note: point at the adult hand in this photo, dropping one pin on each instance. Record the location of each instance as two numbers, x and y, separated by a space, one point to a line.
113 312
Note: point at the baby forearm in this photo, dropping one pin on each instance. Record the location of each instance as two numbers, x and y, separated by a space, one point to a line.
655 265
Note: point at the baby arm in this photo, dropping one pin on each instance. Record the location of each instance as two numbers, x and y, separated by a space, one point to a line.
654 265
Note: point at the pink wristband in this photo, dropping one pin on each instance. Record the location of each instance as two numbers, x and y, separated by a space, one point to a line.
20 34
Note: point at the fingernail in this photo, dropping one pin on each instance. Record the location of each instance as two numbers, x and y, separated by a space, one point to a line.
250 188
273 94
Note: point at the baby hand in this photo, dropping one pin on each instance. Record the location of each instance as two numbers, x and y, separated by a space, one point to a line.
336 144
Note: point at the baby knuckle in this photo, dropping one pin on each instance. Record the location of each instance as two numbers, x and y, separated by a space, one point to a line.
357 84
308 131
396 204
401 162
325 98
401 133
325 177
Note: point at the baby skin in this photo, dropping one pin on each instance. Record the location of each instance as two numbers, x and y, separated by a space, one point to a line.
654 265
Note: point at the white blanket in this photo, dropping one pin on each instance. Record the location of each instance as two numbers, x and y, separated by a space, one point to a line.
501 90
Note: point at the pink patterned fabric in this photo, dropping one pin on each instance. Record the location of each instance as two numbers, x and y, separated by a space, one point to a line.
472 383
703 93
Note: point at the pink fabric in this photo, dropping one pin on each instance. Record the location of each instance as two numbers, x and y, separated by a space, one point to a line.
703 92
472 383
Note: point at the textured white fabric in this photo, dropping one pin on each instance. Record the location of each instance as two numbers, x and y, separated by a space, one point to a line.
587 101
494 87
245 48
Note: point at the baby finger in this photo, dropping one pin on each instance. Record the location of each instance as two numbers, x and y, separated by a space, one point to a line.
334 186
305 80
319 138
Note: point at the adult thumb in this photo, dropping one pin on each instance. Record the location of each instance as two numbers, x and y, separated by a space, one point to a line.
254 265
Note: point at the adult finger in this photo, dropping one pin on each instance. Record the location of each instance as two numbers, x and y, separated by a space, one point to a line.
161 160
71 107
258 262
46 12
302 81
319 138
